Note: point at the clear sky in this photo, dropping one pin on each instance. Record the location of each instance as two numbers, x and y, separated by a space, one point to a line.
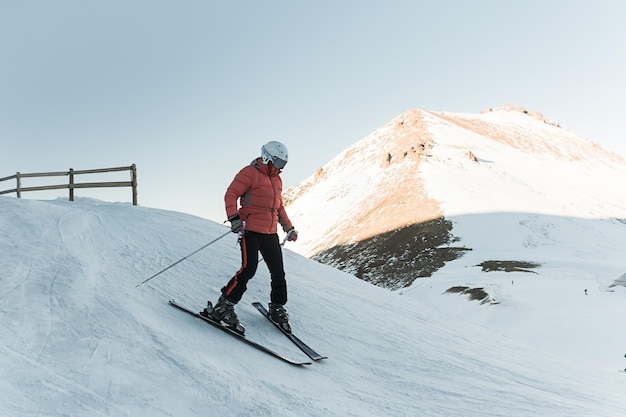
189 90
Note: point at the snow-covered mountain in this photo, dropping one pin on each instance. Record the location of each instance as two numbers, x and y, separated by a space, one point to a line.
398 204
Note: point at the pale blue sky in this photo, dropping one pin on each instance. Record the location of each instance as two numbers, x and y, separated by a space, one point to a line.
190 90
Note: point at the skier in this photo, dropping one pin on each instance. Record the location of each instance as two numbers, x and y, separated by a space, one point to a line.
258 188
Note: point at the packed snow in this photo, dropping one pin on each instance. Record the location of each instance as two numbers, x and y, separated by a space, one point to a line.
79 338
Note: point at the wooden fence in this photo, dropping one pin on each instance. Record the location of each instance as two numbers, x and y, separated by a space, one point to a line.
71 185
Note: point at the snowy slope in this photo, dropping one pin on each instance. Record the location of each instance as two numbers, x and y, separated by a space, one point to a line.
79 339
523 165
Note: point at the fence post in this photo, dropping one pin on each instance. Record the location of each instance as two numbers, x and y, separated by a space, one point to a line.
71 184
19 185
133 178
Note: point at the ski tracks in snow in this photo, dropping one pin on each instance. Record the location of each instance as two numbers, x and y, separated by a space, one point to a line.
54 386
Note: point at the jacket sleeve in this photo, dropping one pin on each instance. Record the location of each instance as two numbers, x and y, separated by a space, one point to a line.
283 219
238 187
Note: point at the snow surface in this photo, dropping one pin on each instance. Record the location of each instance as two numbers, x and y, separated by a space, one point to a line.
79 339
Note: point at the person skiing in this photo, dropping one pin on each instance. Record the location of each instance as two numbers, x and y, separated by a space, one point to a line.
258 190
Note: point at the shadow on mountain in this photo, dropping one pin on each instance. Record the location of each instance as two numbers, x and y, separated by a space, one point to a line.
395 259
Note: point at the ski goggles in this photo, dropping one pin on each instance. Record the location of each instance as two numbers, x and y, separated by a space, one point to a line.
278 162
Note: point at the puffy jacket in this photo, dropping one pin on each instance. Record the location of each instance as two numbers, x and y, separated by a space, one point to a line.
258 188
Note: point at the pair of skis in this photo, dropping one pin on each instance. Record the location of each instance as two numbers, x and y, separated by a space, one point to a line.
299 343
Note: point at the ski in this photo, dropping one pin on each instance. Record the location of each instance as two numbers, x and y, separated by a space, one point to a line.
296 341
236 335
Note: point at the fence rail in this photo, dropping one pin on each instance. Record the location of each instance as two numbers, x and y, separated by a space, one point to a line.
71 185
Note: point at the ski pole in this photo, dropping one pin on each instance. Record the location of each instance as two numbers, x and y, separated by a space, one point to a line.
182 259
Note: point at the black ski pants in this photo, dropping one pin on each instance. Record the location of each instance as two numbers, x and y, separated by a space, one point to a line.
268 245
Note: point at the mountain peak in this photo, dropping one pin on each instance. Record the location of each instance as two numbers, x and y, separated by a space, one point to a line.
522 110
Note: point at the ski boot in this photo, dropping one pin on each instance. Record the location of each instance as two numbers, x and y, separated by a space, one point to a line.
223 312
279 315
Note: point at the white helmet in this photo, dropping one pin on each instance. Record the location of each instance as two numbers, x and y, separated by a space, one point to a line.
274 152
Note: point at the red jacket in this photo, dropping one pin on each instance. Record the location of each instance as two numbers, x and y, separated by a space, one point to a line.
258 188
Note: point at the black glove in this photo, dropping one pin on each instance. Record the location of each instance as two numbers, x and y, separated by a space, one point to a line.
235 223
